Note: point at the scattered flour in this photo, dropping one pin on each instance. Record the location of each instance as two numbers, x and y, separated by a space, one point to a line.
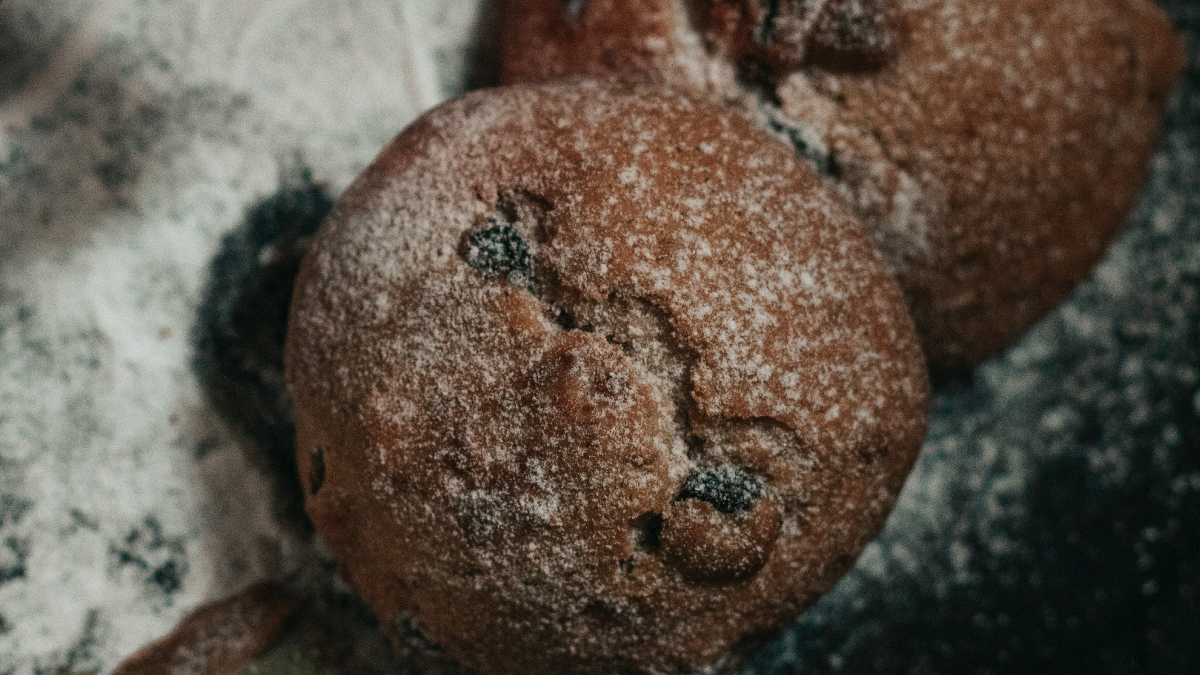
1059 485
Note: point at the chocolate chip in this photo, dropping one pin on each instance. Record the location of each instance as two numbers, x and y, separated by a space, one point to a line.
500 250
727 487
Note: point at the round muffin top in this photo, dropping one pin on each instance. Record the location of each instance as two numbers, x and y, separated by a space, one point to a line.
597 381
992 148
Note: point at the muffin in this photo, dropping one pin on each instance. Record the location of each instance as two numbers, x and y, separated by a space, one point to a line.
993 149
597 380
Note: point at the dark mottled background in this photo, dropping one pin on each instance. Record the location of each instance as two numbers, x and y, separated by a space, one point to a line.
162 164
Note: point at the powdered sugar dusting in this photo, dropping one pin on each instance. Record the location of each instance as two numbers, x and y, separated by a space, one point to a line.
959 131
549 425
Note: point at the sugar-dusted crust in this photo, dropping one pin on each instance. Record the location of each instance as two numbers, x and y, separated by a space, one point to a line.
597 381
218 638
993 148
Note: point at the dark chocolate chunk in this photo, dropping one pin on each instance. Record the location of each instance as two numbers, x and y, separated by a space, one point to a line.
499 250
729 488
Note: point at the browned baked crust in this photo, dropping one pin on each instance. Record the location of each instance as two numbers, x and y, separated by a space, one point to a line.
593 381
993 148
218 638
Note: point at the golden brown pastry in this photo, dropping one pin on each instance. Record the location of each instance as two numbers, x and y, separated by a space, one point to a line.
992 147
595 381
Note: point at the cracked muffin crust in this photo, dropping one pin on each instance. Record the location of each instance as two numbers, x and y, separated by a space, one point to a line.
993 149
597 381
